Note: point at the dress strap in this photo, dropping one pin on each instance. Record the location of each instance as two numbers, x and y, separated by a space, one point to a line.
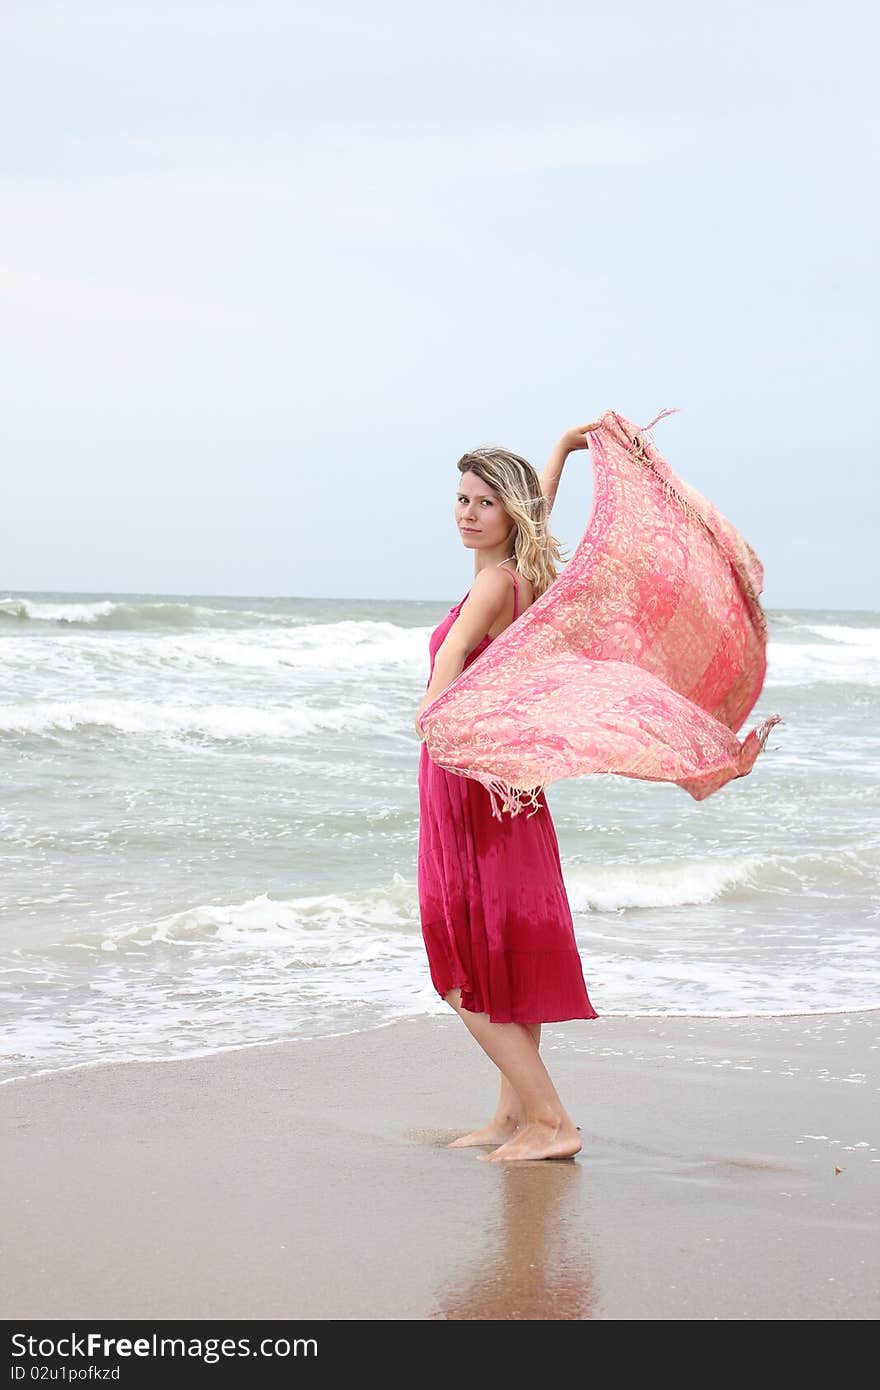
512 574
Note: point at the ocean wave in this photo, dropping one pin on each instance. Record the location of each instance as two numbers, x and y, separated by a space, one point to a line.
210 721
850 658
310 646
867 638
676 882
693 882
132 614
25 609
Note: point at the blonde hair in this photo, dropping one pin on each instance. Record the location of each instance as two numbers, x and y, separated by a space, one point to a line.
518 487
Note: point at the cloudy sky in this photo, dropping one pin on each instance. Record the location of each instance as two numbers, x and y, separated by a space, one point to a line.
268 269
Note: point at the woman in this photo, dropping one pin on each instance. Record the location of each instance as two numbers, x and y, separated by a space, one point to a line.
495 917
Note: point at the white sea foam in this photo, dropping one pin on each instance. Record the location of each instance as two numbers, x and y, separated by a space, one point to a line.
851 656
673 883
211 721
331 649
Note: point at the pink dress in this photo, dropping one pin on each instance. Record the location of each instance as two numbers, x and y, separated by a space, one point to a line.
495 916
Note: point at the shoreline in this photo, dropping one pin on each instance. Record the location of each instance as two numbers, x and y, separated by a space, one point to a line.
393 1023
730 1169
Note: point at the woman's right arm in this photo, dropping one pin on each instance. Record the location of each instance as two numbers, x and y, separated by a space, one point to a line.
572 439
483 603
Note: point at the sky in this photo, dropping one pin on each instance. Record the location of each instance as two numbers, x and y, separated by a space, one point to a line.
267 271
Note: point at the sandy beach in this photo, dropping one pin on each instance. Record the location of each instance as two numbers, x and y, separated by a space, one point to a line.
730 1169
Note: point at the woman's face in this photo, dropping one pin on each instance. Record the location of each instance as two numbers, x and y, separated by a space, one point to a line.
479 515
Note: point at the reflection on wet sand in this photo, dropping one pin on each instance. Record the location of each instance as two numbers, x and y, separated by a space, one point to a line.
530 1260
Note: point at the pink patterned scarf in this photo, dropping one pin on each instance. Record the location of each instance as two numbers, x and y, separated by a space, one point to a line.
642 659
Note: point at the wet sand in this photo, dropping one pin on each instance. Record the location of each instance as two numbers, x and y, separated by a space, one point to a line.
730 1169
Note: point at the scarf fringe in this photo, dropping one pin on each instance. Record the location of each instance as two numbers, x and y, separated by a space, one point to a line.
763 730
512 799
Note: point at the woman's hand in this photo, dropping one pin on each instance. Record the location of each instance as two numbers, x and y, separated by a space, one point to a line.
419 730
577 438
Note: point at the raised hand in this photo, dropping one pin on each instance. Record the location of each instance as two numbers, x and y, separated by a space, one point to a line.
577 438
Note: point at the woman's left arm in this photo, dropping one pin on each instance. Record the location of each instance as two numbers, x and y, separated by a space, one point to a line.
577 438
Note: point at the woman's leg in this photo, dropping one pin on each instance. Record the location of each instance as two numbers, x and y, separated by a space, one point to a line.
547 1131
510 1106
510 1112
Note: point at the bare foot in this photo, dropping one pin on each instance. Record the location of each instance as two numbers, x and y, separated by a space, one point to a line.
495 1132
538 1140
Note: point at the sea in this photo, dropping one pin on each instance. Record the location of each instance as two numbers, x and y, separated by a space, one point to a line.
210 819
